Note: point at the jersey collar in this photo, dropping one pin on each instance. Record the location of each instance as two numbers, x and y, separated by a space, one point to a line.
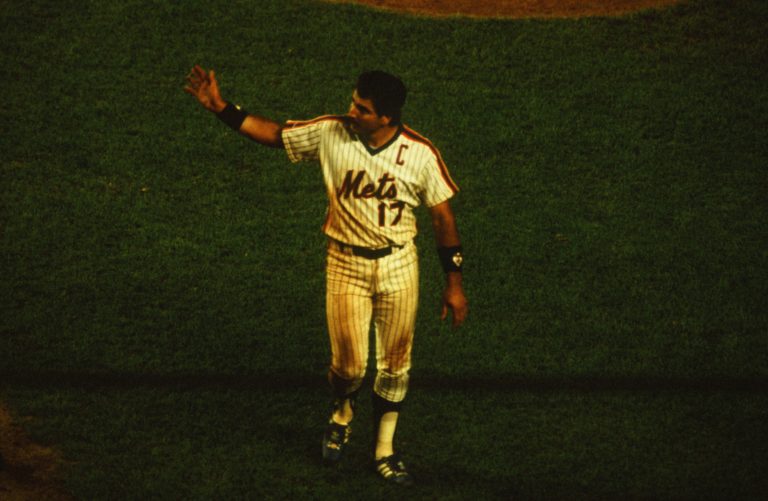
376 151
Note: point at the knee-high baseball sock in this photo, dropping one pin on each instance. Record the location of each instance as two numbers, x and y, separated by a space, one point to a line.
385 414
344 398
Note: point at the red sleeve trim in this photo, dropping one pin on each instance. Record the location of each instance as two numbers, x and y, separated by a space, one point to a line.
297 124
414 136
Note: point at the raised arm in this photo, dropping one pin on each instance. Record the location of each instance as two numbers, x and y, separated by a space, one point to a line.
449 250
203 85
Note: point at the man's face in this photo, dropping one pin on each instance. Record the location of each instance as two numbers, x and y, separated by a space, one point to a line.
363 117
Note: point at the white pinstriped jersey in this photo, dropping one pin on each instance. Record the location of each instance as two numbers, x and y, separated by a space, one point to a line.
371 192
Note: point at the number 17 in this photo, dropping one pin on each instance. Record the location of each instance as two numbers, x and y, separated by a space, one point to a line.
398 206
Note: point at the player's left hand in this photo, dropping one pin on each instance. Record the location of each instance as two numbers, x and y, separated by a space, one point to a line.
454 300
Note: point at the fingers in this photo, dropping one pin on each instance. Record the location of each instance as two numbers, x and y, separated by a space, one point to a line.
199 72
459 315
214 85
198 81
198 77
193 83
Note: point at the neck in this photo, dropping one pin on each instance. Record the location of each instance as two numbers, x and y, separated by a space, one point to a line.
381 136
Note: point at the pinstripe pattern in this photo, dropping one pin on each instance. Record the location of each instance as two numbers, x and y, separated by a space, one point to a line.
385 291
371 197
419 173
432 183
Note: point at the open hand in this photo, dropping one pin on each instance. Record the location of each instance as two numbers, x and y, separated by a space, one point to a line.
205 88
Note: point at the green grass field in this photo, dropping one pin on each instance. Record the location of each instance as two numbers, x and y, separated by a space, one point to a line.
162 309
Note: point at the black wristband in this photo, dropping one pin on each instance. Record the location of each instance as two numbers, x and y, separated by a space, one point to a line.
232 115
451 258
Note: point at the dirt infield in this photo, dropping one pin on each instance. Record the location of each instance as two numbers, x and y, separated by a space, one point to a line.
27 470
515 9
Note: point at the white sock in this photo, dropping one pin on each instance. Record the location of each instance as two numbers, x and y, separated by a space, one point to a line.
344 414
387 427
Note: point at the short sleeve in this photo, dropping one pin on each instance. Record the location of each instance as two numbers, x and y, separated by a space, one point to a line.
438 185
302 139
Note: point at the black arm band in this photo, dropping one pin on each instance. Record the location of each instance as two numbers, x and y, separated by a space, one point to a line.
232 115
451 258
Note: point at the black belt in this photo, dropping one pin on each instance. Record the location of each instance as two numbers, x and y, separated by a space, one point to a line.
367 252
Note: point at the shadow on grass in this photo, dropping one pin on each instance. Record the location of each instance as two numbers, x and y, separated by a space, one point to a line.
285 380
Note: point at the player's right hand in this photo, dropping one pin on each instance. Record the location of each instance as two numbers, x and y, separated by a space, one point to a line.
205 88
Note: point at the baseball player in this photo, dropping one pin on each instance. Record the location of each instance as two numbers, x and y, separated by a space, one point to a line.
376 171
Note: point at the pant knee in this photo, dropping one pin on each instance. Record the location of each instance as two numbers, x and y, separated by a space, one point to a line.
346 382
391 386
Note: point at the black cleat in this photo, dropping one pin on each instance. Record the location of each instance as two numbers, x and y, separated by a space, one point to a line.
392 469
335 439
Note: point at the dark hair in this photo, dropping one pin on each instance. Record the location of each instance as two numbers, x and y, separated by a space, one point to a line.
387 92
